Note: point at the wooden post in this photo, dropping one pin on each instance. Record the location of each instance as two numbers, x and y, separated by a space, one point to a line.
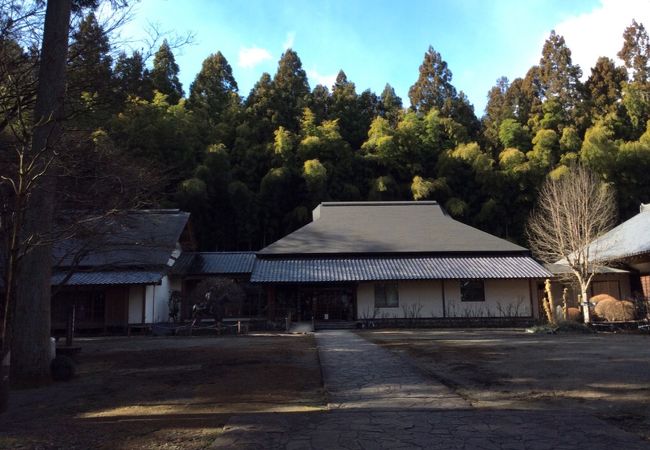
444 306
144 303
530 298
70 326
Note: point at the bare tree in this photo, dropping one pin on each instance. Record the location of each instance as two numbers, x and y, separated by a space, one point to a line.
571 213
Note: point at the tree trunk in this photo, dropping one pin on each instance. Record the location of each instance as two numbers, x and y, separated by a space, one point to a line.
31 316
586 312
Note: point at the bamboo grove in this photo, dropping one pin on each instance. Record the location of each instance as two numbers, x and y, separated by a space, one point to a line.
251 166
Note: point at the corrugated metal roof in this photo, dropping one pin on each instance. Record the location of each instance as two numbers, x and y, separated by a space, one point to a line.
108 278
214 263
319 270
385 227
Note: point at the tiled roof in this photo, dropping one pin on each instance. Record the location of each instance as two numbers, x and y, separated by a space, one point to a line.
316 270
142 238
214 263
564 269
630 238
106 278
346 228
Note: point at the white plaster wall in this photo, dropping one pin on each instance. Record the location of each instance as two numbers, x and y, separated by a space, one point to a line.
502 298
135 304
161 300
423 297
150 293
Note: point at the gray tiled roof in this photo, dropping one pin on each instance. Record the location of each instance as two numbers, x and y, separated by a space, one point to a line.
564 269
316 270
386 227
213 263
137 239
630 238
105 278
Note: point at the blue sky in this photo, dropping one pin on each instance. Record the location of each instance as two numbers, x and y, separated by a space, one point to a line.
379 42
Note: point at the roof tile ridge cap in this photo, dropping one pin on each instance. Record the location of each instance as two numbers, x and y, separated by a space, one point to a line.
228 252
383 203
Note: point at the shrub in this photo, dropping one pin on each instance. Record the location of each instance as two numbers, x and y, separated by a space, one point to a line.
613 310
574 314
600 297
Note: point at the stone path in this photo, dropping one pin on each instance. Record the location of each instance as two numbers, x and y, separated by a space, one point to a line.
378 401
359 374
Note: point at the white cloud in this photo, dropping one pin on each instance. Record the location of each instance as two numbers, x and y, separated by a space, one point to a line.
318 78
289 41
252 56
600 31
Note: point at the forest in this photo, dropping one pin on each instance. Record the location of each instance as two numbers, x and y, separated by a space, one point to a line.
250 167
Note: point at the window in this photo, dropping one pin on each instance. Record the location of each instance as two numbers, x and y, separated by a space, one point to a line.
386 295
472 291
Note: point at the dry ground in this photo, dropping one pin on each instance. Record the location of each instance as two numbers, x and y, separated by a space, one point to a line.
144 392
607 375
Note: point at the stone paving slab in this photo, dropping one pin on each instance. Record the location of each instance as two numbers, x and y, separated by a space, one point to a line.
378 401
460 429
360 374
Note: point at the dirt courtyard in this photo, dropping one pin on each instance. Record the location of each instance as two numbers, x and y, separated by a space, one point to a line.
146 392
607 375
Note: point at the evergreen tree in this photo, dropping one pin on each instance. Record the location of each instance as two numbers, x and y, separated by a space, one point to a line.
521 98
259 107
433 89
636 94
290 91
604 86
90 74
164 74
636 52
390 105
497 110
321 103
560 78
354 112
214 89
132 77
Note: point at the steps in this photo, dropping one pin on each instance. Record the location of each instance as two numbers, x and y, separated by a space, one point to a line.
301 328
335 325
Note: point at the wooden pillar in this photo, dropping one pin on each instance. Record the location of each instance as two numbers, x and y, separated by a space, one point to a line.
127 289
270 302
530 296
444 306
144 303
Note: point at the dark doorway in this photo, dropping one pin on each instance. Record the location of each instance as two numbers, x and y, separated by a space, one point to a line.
327 304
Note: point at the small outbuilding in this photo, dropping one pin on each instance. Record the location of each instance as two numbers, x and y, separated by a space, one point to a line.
117 276
626 251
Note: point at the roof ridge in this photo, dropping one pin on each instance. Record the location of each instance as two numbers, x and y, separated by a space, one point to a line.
380 203
242 252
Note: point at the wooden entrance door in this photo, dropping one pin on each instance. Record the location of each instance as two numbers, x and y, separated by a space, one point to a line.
333 304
